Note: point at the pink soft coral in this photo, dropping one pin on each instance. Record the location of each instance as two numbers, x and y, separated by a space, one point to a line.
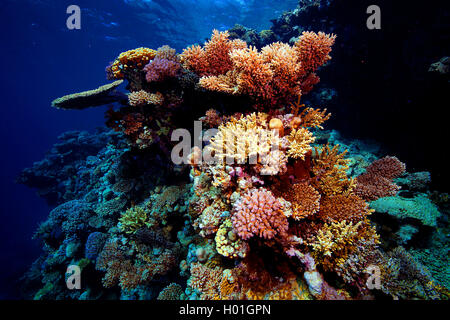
161 69
259 213
165 65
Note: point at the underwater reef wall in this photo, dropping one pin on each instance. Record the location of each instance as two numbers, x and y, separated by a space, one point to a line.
270 206
380 80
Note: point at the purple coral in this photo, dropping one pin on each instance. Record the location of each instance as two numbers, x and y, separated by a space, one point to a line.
160 69
94 244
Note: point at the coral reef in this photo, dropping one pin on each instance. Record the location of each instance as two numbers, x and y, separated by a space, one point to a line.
269 206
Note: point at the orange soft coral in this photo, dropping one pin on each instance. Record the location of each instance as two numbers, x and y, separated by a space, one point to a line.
275 74
213 58
313 49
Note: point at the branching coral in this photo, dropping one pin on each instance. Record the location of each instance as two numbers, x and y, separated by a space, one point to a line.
299 143
142 98
376 182
213 58
212 118
244 140
313 49
343 207
338 241
305 200
129 271
330 171
403 277
258 213
165 65
335 237
277 73
206 280
134 219
172 292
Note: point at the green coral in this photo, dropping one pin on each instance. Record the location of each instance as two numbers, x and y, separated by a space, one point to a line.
48 287
134 219
420 207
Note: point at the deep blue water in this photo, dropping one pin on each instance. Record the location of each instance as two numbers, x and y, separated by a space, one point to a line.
41 60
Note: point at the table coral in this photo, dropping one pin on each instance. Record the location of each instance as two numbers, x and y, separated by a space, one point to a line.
91 98
420 208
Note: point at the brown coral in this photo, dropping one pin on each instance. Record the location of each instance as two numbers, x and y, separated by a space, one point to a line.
138 98
305 200
377 182
330 171
343 207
